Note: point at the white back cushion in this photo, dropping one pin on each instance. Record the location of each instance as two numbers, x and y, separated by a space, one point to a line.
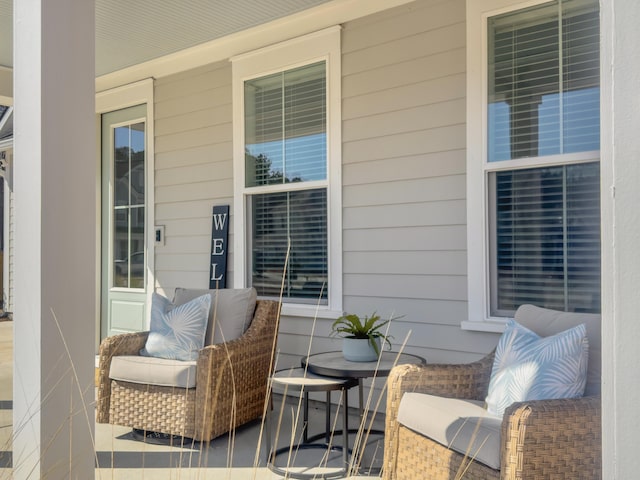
230 314
547 322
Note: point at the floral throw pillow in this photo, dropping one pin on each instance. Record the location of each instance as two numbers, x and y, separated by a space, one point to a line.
529 367
177 332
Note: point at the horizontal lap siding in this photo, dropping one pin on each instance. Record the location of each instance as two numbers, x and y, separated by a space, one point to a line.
193 170
404 184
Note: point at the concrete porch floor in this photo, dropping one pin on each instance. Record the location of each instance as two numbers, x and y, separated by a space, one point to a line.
121 456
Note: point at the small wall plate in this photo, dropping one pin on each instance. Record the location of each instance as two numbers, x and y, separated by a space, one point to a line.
159 235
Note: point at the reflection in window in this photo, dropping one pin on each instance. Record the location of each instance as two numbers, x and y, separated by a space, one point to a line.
285 127
129 264
544 81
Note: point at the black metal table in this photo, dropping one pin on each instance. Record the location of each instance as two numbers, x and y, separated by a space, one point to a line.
333 364
303 381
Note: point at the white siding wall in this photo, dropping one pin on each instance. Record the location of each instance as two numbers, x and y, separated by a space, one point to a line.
193 171
404 191
404 176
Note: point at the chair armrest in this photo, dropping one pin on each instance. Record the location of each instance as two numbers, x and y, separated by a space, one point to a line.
552 437
468 380
123 344
258 340
236 370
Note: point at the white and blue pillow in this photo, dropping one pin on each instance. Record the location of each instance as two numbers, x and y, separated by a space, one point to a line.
529 367
177 332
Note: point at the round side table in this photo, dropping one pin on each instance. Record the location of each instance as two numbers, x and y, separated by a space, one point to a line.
301 381
333 364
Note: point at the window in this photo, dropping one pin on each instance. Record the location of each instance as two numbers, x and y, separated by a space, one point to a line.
533 158
288 171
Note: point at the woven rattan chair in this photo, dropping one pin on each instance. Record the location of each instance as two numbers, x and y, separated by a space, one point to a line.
541 439
230 390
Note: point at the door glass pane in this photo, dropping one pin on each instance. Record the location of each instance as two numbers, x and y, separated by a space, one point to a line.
298 217
128 209
121 166
136 259
121 248
137 164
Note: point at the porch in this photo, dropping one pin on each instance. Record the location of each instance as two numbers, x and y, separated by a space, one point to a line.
120 455
407 157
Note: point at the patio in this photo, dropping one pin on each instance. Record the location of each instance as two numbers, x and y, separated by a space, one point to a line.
120 455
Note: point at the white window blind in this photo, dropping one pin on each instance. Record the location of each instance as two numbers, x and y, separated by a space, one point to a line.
298 217
543 88
547 238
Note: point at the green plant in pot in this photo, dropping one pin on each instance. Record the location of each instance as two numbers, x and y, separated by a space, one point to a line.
363 337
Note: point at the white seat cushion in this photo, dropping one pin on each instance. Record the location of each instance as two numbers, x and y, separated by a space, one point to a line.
152 370
462 425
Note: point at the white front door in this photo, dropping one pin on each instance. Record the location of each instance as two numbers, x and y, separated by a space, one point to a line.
125 249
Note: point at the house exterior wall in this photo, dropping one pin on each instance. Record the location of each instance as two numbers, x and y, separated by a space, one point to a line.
403 168
404 175
193 170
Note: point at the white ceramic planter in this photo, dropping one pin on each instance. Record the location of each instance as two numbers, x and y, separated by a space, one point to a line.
359 349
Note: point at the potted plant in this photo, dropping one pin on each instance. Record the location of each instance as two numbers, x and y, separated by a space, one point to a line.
363 338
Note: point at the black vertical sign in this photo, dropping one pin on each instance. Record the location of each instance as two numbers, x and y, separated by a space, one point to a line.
219 236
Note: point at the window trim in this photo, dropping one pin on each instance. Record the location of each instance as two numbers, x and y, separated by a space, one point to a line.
478 201
321 45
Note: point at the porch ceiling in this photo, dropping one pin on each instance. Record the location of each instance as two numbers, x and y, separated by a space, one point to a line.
131 32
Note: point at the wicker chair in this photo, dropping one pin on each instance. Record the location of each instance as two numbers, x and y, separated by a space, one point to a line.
539 439
230 390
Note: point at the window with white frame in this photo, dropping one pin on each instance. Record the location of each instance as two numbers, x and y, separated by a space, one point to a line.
287 162
533 157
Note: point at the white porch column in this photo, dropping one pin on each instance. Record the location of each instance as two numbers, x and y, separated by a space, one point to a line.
55 239
620 168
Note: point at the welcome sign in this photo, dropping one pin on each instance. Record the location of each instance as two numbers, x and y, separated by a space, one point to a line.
219 237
